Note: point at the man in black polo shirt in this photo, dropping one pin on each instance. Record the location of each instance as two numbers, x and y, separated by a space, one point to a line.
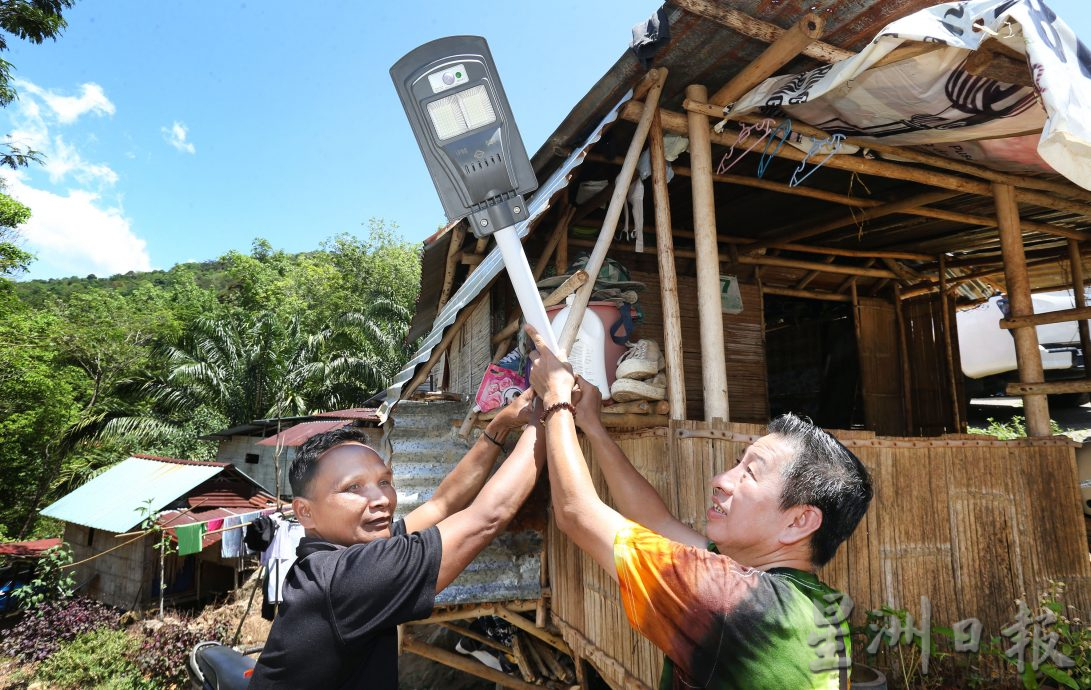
359 573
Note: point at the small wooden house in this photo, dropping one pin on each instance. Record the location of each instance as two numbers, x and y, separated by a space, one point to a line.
854 235
117 561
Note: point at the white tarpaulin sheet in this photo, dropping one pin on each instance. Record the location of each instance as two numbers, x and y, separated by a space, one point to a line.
931 101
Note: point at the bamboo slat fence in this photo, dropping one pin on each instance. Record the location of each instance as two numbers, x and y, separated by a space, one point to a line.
969 522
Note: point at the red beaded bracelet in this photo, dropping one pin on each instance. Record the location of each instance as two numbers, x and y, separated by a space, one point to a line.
557 406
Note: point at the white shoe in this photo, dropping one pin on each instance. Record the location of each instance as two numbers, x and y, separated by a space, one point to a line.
642 361
628 390
477 651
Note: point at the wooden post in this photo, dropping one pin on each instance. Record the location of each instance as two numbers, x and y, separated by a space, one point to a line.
613 212
907 374
1029 357
713 355
1075 260
948 345
668 278
789 45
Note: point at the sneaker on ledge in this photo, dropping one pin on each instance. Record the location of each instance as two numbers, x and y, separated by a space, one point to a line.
629 390
643 360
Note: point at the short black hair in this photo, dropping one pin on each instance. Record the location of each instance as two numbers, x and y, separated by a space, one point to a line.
306 458
826 475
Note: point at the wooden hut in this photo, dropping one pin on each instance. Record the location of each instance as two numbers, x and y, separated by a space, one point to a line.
848 282
115 559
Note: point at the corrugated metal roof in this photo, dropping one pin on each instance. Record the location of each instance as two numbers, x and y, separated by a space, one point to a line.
28 548
113 500
363 414
297 435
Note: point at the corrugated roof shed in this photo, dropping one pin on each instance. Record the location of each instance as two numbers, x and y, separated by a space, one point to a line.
297 435
113 501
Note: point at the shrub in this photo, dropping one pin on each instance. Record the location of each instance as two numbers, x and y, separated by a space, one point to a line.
164 652
51 581
98 659
42 632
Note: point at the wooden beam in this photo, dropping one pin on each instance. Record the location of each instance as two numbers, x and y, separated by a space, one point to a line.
907 51
668 278
1063 188
709 309
677 122
780 52
567 337
992 62
443 344
464 664
804 294
1027 354
1059 316
746 25
782 262
903 352
808 229
948 345
1075 263
1050 388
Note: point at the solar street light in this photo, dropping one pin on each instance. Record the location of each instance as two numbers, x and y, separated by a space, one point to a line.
463 124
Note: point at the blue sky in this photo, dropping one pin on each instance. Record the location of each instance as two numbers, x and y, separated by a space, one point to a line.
176 131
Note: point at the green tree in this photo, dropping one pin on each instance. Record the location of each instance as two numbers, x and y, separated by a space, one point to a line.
39 401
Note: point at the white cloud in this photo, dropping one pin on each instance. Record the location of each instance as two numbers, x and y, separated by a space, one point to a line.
68 109
176 136
77 233
61 160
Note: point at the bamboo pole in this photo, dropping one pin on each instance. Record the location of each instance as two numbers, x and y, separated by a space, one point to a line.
465 664
1080 314
1028 356
677 122
948 345
746 25
710 314
528 627
668 278
907 374
907 153
613 212
780 52
454 250
1075 262
560 294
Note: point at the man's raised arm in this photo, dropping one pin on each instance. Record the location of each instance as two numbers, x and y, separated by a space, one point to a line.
465 481
634 496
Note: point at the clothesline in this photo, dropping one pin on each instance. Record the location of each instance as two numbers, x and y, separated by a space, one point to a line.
284 513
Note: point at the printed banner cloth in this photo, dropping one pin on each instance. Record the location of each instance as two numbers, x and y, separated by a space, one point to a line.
932 101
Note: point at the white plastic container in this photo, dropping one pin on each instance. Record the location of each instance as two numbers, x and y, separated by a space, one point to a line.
594 355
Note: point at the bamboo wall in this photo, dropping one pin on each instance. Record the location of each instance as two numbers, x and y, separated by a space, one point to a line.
470 352
744 342
971 524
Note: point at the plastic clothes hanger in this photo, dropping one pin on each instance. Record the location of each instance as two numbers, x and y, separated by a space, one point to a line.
834 142
765 127
766 156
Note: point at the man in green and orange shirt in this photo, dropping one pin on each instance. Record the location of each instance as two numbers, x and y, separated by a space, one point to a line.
739 606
